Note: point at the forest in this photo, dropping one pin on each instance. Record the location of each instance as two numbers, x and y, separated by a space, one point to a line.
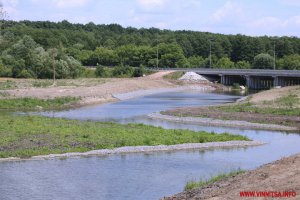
33 49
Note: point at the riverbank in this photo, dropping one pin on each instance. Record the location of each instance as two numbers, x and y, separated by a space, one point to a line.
27 136
275 109
224 123
279 176
142 149
87 91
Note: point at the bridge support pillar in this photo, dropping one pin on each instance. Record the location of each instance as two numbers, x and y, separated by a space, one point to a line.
276 81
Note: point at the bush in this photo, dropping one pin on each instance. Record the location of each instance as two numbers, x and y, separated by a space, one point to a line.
121 71
138 72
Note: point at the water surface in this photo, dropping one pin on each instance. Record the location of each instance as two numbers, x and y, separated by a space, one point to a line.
140 175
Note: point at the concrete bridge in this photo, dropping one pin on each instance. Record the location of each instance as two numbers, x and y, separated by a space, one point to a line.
252 78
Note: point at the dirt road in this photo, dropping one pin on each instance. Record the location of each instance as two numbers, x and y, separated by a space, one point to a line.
279 176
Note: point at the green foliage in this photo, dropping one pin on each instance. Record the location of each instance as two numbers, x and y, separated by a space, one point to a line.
242 65
26 46
7 85
225 63
44 135
138 72
28 60
289 62
202 183
33 103
263 61
196 62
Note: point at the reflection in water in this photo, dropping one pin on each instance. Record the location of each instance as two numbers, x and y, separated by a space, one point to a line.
141 175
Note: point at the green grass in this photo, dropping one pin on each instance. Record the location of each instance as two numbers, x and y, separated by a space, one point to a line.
289 110
8 85
202 183
33 103
25 136
174 75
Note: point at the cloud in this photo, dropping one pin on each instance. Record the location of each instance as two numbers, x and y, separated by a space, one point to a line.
274 25
149 4
228 9
69 3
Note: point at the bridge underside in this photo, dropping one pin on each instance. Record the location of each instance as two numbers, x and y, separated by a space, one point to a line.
255 82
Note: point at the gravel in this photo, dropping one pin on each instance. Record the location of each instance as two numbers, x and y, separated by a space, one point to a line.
141 149
192 76
219 122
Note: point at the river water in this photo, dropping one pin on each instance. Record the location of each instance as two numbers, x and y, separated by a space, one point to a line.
139 175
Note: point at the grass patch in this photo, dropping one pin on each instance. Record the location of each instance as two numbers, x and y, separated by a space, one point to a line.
33 103
7 85
202 183
25 136
174 75
288 110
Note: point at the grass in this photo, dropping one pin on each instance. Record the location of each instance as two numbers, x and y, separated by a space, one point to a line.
202 183
285 106
8 85
34 103
174 75
25 136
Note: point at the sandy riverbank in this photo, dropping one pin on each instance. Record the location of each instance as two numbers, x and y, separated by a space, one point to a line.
98 91
279 176
219 122
143 149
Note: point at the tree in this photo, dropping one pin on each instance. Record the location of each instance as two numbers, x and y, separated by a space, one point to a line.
263 61
290 62
196 61
225 63
242 65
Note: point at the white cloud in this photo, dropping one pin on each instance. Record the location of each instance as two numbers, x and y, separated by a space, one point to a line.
148 4
275 26
228 9
69 3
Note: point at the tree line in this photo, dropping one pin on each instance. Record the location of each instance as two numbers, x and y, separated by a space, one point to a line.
34 49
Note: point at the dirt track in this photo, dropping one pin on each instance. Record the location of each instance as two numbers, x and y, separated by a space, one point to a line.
98 93
279 176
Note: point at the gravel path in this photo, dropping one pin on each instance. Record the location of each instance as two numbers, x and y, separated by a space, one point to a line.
218 122
141 149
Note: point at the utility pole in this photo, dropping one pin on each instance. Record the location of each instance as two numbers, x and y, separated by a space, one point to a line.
274 56
210 53
157 55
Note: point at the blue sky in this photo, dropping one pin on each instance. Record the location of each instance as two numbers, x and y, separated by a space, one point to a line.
249 17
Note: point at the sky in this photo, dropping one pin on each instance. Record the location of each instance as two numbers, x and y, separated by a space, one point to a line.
248 17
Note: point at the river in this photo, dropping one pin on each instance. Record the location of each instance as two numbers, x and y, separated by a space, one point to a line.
139 175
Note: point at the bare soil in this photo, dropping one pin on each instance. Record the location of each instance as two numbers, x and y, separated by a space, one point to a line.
262 100
282 175
91 91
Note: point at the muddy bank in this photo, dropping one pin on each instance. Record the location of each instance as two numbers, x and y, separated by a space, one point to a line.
142 149
279 176
219 122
